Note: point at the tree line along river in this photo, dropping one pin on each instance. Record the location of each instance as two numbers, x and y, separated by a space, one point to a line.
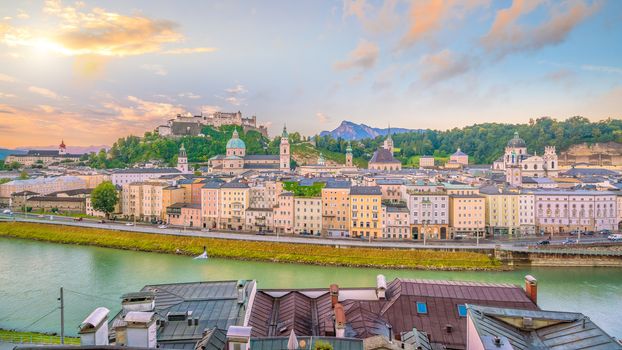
32 272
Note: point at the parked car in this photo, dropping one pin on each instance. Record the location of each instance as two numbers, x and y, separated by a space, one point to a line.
7 211
162 226
129 224
261 233
573 232
459 237
41 216
589 233
77 219
605 232
569 241
615 237
544 242
102 221
205 229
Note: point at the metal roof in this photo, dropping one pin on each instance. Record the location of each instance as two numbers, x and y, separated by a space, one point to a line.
365 191
273 343
536 329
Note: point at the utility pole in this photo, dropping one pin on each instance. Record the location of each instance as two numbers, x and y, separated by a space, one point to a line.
62 317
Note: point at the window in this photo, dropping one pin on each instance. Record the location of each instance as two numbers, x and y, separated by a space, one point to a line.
422 308
462 310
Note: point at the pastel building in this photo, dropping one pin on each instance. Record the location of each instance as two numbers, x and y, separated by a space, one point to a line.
234 200
42 185
336 209
429 211
210 204
459 158
307 215
559 211
467 210
184 214
259 219
426 161
502 210
284 213
366 211
395 222
526 213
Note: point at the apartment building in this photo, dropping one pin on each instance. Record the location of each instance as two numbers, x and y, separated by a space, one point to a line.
366 211
284 213
308 215
391 189
210 204
336 209
429 211
526 213
502 210
42 185
559 211
259 219
467 210
184 214
234 200
395 222
143 200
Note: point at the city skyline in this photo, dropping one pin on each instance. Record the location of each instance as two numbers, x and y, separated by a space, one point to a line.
96 71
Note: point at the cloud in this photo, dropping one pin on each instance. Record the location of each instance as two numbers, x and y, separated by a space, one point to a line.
156 69
236 90
3 95
234 95
98 32
427 17
443 65
185 51
602 69
44 92
209 109
189 95
21 14
375 20
47 109
364 56
7 78
508 34
322 118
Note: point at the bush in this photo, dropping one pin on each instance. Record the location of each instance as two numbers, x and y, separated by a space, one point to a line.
252 250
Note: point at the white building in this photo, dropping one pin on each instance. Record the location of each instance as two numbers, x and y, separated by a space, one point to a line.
516 161
558 211
127 176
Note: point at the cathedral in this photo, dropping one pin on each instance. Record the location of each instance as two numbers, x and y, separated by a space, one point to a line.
236 161
516 162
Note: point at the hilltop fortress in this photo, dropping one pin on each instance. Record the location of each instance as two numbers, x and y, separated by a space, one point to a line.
188 125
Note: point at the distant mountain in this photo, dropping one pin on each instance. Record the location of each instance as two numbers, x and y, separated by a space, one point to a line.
5 152
353 131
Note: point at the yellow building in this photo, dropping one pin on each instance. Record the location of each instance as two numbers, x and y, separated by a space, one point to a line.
172 195
366 211
307 215
234 200
143 200
502 210
336 209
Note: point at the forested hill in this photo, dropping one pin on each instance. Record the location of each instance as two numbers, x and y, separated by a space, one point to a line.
130 150
486 142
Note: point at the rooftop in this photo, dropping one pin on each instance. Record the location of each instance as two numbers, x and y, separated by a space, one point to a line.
147 171
365 191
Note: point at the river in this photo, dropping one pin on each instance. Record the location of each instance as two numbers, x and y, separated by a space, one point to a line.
31 274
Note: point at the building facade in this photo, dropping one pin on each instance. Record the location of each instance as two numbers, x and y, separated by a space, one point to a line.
366 212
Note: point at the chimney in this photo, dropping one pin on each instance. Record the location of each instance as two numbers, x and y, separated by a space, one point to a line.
141 301
334 294
531 288
241 292
238 338
141 329
381 287
340 321
94 329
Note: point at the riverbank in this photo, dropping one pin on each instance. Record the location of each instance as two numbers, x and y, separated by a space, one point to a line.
250 250
15 337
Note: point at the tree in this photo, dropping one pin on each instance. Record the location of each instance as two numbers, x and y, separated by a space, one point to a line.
322 345
5 180
104 197
23 175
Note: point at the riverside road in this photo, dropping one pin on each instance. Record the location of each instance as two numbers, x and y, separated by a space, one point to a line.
351 242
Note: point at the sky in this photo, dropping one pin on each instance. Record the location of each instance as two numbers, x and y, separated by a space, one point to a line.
90 72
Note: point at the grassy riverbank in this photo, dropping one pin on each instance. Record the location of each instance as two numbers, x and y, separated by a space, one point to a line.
16 337
249 250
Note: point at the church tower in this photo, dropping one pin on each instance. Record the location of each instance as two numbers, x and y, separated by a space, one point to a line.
62 149
284 151
182 160
349 155
388 142
550 161
513 174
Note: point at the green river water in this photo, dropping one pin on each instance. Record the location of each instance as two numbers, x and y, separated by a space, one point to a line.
31 273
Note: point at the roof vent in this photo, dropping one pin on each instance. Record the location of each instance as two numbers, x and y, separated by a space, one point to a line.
497 341
449 328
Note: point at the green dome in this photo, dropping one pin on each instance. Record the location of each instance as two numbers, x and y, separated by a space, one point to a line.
235 141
